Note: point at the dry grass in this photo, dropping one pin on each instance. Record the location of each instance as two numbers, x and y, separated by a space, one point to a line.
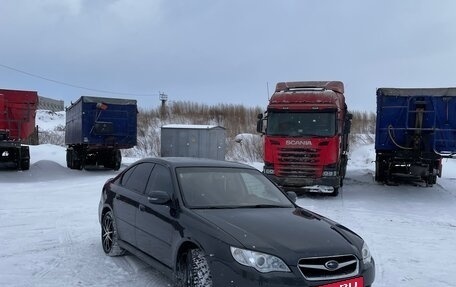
236 119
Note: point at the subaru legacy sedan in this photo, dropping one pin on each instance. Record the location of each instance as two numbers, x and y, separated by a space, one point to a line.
217 223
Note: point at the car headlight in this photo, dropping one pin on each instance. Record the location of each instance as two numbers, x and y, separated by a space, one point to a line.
367 257
260 261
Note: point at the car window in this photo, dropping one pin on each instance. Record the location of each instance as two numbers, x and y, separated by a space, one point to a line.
160 179
256 187
227 187
138 178
123 178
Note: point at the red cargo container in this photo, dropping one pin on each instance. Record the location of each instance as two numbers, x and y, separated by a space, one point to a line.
17 123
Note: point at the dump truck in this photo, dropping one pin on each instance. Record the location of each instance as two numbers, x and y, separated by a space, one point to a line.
17 125
97 128
415 130
305 130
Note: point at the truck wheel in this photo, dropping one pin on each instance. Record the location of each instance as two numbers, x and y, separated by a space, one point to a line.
117 160
432 179
343 168
69 159
379 170
335 192
75 161
23 158
25 164
378 175
77 164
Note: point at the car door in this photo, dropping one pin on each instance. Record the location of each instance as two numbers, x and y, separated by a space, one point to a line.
155 222
128 193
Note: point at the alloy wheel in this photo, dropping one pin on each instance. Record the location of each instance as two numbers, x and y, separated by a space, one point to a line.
107 233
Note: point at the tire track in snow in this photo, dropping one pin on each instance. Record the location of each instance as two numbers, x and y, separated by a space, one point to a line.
140 272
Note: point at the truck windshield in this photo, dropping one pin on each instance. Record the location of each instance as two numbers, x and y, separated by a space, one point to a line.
295 124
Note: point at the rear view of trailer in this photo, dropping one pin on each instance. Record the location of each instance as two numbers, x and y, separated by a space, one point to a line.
415 129
17 123
97 128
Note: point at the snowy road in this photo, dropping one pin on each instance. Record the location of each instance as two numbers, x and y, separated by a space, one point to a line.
50 235
49 229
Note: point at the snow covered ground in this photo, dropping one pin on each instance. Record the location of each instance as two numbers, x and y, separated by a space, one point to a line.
50 235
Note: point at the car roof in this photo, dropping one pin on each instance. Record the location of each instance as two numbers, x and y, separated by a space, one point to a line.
174 162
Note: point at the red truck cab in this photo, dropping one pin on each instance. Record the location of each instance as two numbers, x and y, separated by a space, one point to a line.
305 128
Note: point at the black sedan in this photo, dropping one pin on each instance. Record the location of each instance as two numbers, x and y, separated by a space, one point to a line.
217 223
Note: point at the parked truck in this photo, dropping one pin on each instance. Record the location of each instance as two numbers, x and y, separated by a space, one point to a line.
305 129
17 124
415 129
97 128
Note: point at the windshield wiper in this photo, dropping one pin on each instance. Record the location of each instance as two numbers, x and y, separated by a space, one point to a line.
264 206
215 207
243 206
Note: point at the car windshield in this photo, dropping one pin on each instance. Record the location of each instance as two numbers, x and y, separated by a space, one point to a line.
215 187
300 124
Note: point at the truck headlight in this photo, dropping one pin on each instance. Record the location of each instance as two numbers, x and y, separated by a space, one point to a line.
367 257
268 170
260 261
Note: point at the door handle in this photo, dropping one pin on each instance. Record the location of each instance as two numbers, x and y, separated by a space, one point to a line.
142 207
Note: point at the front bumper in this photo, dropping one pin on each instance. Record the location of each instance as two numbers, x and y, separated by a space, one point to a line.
235 275
300 182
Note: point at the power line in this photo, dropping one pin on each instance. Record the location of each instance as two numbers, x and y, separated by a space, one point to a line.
73 85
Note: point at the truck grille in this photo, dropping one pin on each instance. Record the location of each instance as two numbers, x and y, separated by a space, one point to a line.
298 162
328 268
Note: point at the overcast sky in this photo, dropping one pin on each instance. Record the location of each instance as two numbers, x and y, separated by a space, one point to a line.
213 51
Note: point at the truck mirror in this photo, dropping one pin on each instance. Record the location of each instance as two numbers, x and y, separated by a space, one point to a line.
348 121
260 126
260 116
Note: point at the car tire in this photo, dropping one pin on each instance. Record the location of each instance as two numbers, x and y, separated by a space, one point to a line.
193 270
109 237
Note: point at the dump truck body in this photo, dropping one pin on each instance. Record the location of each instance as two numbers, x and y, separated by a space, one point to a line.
415 129
17 124
97 128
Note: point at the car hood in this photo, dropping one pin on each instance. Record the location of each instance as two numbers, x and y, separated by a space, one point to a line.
290 233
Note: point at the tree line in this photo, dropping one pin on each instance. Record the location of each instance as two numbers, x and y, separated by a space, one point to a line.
236 119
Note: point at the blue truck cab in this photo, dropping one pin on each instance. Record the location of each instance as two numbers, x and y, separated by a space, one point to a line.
97 128
415 129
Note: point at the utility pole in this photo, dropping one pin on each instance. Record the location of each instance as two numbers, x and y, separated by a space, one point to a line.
163 98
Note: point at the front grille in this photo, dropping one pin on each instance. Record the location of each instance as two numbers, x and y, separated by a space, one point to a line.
315 268
298 162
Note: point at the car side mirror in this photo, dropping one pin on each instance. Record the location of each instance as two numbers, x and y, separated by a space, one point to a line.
292 195
158 197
